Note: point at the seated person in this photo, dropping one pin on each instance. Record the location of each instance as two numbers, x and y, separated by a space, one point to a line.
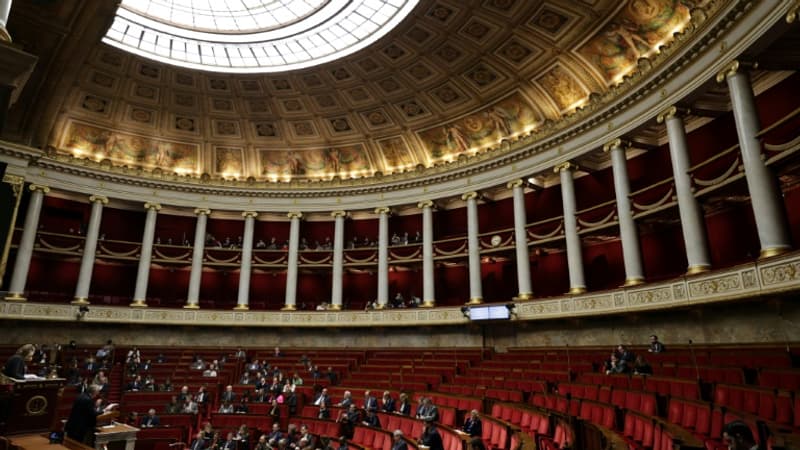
226 408
371 420
655 345
473 426
642 367
150 420
616 365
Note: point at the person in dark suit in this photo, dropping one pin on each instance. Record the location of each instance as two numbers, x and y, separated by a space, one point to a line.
83 416
229 443
15 366
404 407
431 437
150 420
371 420
387 402
370 402
198 443
473 425
398 443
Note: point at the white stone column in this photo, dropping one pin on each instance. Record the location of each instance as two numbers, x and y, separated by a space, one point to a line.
89 250
5 9
16 290
198 252
17 185
290 303
692 220
765 194
383 257
145 255
428 267
577 283
338 259
521 241
473 249
628 232
243 300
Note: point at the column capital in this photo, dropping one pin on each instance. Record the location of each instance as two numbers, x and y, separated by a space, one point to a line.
733 68
340 213
469 196
791 16
616 143
672 111
382 210
425 204
39 187
515 183
570 166
199 211
14 180
153 205
294 215
96 198
248 214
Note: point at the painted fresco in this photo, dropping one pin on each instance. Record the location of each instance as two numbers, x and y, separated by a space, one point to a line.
314 162
562 87
128 149
228 160
396 153
486 127
633 33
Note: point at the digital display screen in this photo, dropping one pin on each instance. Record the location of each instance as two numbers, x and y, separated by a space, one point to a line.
489 312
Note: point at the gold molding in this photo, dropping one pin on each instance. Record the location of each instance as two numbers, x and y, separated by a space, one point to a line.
191 306
138 303
428 304
39 187
769 252
152 205
15 297
97 198
469 196
475 301
791 16
14 180
577 290
514 183
294 215
698 269
672 111
382 210
522 296
567 165
289 308
334 307
198 211
80 301
339 213
247 214
633 281
4 36
425 204
239 307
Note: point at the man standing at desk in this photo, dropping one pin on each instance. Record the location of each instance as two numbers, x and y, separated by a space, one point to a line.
15 366
83 417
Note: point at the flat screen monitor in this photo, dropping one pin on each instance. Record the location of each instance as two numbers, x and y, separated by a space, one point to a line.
489 312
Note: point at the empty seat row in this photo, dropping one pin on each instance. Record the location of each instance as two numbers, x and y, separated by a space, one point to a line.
766 403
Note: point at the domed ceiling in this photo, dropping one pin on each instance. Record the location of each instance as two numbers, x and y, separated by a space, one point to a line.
453 80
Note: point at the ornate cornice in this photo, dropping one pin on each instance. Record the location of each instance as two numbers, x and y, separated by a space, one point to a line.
663 79
774 276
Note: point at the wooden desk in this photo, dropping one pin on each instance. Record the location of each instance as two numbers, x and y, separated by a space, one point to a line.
115 434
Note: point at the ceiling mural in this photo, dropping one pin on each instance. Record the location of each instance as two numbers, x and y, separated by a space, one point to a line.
456 79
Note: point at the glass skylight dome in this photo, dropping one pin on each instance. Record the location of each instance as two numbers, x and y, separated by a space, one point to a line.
252 36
